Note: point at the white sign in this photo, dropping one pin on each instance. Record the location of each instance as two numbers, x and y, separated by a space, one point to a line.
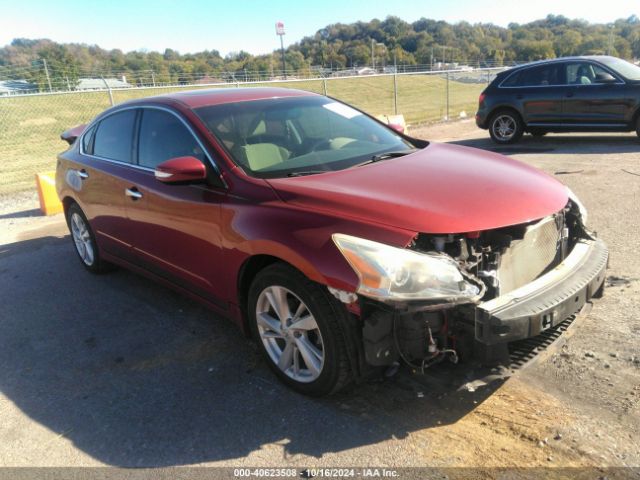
279 28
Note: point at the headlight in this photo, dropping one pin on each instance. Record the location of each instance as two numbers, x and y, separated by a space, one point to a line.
390 273
581 208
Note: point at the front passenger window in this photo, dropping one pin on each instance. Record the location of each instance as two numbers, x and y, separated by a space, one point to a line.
162 137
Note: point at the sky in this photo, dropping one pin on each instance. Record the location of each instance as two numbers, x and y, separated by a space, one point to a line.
233 25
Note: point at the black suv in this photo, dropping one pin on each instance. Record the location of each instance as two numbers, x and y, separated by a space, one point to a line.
573 94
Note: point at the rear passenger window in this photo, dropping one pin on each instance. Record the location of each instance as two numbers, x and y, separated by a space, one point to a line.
162 137
114 137
542 76
512 81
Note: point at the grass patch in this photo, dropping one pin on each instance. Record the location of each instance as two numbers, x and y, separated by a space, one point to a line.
30 126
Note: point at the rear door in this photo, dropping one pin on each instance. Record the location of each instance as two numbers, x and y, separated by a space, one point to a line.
176 228
536 93
107 149
589 101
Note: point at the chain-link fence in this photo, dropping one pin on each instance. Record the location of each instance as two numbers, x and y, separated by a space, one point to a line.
30 125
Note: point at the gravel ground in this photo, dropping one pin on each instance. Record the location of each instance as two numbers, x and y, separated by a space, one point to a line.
116 370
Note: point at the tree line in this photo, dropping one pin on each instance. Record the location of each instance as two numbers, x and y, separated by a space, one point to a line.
337 46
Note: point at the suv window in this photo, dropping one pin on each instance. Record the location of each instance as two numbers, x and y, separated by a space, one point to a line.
541 76
584 73
162 137
114 136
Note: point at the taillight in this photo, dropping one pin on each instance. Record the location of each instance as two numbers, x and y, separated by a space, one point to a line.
481 99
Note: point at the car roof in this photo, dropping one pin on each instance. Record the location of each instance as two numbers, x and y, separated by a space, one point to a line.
217 96
596 58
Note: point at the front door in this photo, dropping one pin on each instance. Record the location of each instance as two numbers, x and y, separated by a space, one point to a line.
175 228
589 101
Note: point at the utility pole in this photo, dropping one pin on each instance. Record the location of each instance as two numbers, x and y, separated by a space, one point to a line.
373 58
46 71
153 78
280 33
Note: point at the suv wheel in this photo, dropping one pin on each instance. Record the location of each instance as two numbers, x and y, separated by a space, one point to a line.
296 324
84 241
505 127
638 126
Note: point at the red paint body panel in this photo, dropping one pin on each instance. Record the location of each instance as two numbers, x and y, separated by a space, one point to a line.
441 189
217 96
70 135
198 237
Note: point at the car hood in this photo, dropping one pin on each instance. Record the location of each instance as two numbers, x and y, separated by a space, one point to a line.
439 189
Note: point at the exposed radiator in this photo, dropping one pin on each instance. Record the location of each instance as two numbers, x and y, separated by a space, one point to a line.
527 258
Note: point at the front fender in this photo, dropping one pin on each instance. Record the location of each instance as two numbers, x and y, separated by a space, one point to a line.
299 237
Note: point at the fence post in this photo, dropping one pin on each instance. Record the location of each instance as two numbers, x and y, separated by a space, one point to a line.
447 117
395 93
324 86
108 90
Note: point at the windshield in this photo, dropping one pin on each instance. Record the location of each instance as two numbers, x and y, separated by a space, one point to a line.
624 68
281 137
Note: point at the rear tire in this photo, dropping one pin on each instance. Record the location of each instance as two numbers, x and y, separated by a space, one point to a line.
638 126
84 241
505 126
296 323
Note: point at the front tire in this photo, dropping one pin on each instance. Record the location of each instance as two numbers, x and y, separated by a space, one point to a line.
84 241
506 127
296 324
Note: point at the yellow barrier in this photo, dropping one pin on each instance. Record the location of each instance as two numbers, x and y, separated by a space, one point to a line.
49 202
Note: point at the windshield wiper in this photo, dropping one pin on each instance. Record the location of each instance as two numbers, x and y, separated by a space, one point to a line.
306 172
385 156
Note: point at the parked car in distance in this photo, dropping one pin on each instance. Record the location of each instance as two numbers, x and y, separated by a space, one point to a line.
573 94
341 245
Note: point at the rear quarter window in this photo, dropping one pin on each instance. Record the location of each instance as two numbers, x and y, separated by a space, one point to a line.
87 141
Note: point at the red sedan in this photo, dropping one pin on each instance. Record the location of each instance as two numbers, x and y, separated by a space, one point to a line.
341 245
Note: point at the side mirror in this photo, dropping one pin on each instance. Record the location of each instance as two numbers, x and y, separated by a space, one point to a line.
605 78
181 170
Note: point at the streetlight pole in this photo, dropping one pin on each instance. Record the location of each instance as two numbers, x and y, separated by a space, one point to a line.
373 58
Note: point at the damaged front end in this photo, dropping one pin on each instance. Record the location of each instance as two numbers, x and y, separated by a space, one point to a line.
496 287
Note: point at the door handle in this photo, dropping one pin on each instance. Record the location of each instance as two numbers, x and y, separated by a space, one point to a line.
133 193
519 96
569 94
83 174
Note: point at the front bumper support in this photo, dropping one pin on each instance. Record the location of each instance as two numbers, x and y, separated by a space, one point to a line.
547 301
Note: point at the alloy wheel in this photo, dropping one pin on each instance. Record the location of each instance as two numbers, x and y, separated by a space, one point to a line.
290 334
504 127
82 239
